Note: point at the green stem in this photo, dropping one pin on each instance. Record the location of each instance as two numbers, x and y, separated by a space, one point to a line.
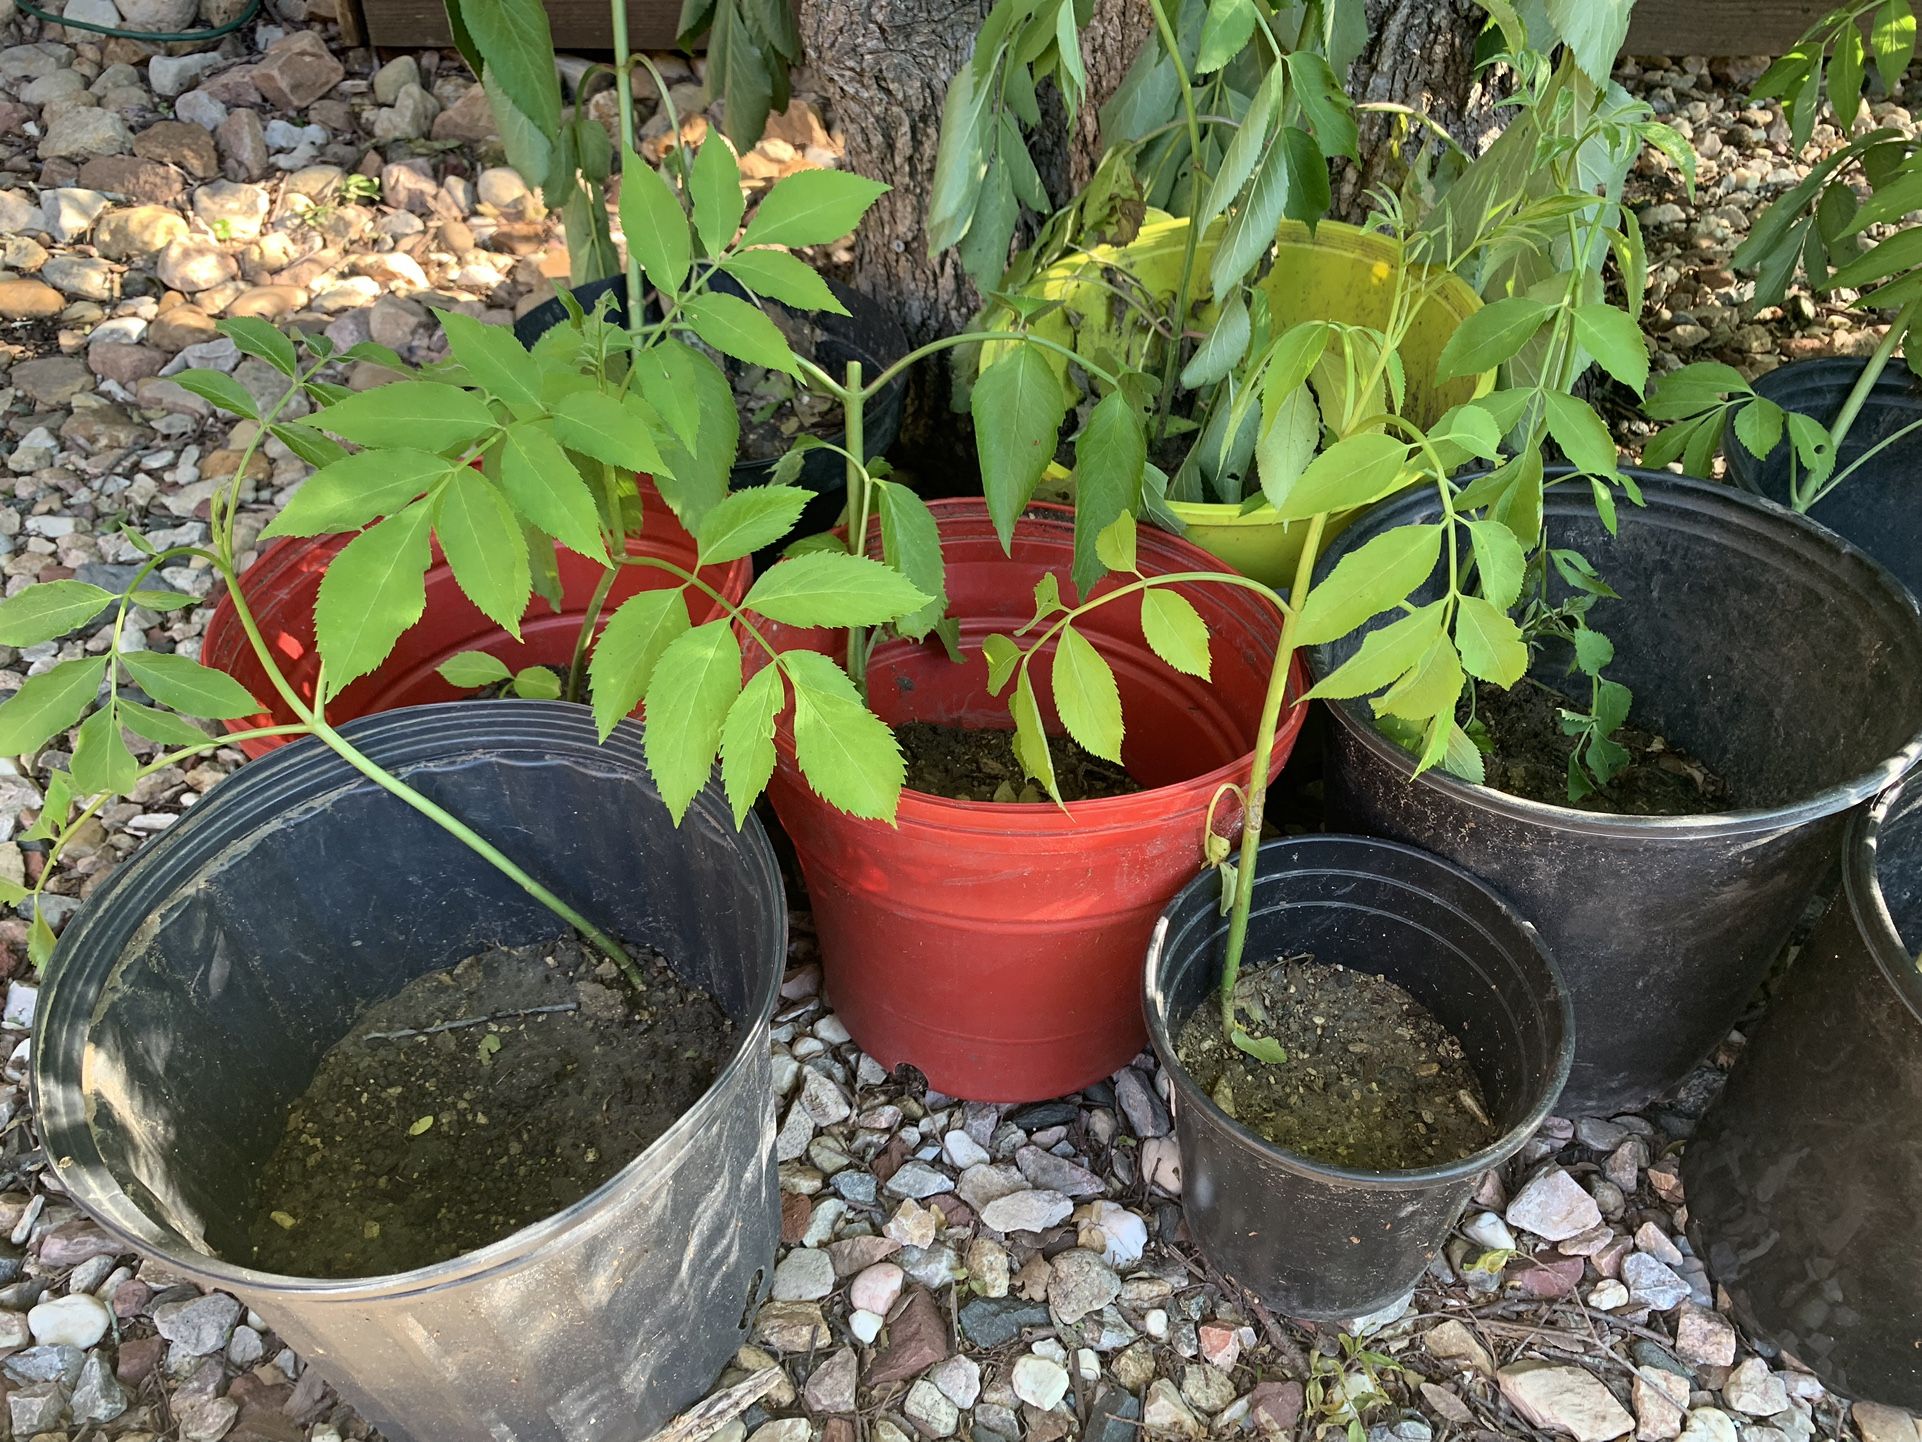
860 502
689 578
1870 454
624 88
1865 383
577 666
1258 775
1184 292
483 848
827 383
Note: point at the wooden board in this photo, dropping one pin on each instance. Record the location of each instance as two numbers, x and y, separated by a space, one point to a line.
1718 27
577 24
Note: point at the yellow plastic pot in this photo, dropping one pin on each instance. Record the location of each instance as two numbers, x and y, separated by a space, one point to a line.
1338 273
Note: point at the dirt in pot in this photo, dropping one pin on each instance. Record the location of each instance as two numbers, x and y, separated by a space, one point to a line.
478 1099
1530 751
1370 1078
964 764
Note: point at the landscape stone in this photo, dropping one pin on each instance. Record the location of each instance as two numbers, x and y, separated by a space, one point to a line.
1565 1399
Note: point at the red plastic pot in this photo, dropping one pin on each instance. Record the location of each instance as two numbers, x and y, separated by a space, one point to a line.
997 947
282 585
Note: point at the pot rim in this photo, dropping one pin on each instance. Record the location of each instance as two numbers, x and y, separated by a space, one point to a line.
1097 814
1154 1005
1682 493
1863 890
424 731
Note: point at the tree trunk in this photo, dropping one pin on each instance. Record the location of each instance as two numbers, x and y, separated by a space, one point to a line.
886 64
1420 53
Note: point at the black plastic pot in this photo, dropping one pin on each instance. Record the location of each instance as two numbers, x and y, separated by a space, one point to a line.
868 333
1875 507
192 998
1772 650
1802 1183
1326 1242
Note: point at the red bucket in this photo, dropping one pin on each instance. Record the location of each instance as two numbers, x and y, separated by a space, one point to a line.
998 947
282 585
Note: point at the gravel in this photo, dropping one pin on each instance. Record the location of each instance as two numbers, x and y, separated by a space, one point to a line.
959 1269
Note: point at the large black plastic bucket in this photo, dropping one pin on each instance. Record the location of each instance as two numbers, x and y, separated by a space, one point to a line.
1802 1184
192 998
1772 650
868 333
1320 1241
1875 507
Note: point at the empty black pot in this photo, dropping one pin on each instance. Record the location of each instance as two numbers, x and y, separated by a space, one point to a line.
1320 1241
1875 507
192 998
1802 1183
1777 654
868 333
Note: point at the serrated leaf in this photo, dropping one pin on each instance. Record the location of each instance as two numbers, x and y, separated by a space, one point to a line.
162 600
1581 434
693 685
654 224
748 520
1892 41
358 489
470 669
832 588
1594 31
1490 643
1593 650
537 683
961 161
424 415
747 740
495 361
1290 434
1613 338
101 761
1175 631
160 726
1222 348
1116 543
715 185
688 389
545 488
783 277
1002 656
739 328
1030 736
629 648
1500 561
1490 336
847 753
1244 152
911 544
1110 461
49 610
48 704
1226 31
56 804
256 337
483 543
1329 110
374 590
1085 695
1354 472
1250 231
1018 406
40 940
616 432
1429 688
812 207
1759 425
219 389
1377 575
189 687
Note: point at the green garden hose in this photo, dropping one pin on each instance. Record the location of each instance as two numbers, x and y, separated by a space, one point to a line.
161 37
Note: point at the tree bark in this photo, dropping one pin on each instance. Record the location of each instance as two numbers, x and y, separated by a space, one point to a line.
1420 53
886 64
